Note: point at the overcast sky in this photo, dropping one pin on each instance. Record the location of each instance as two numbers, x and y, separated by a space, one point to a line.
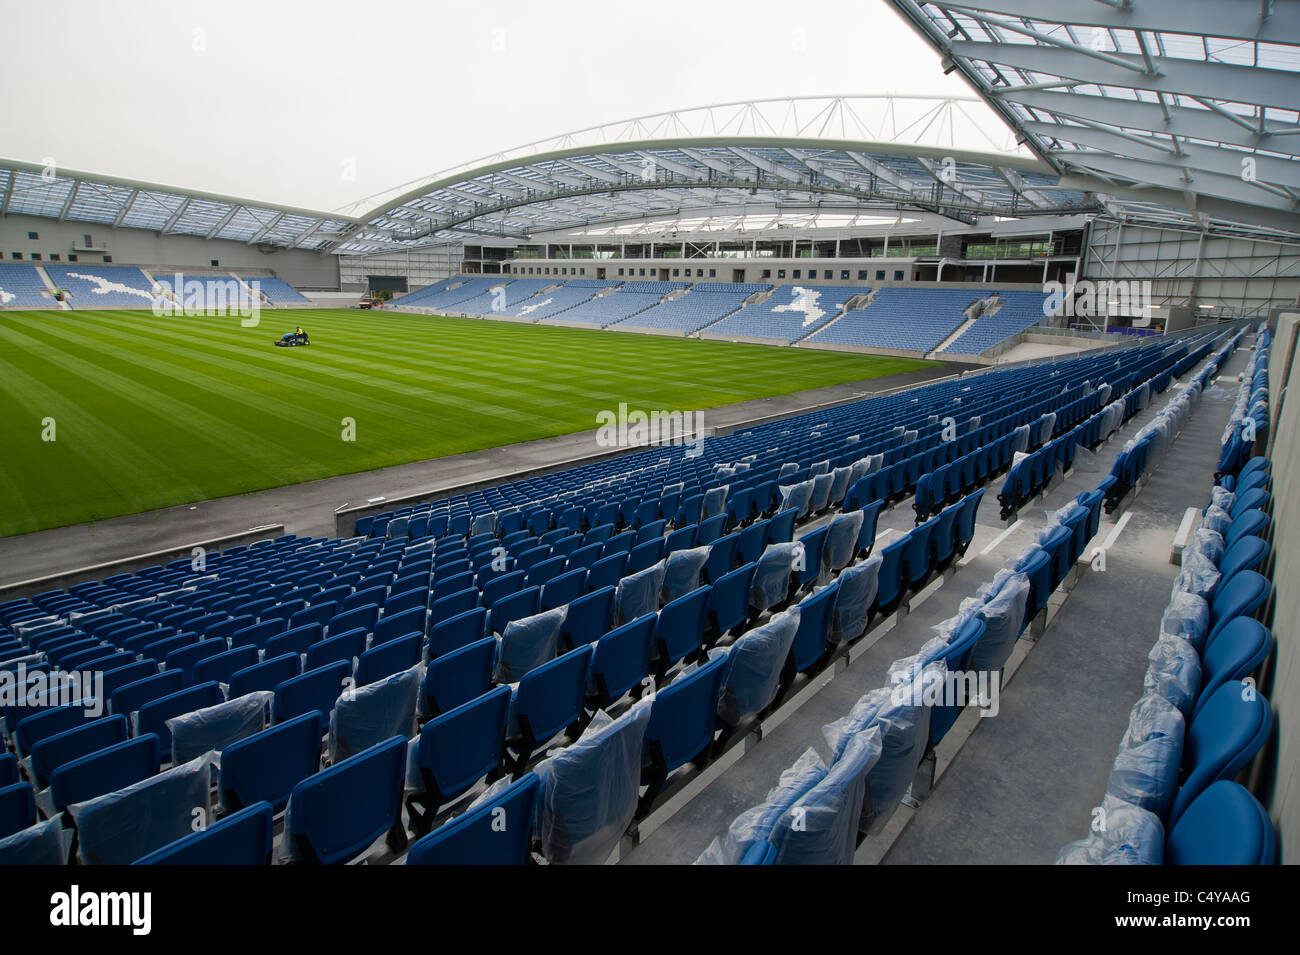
281 101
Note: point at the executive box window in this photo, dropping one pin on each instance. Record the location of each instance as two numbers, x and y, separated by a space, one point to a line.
34 236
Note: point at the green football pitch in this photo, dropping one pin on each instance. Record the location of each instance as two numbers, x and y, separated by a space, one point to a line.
147 412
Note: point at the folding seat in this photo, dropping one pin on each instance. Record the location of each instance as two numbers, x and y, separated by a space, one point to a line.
867 534
317 689
638 593
589 789
241 838
773 581
546 571
956 657
563 589
650 531
459 676
890 584
1243 595
455 751
588 617
128 698
751 541
621 661
188 657
386 659
855 601
104 771
57 654
266 675
822 826
1240 649
52 752
606 572
50 720
255 608
780 529
455 583
599 534
740 506
1231 727
1059 546
516 606
121 676
647 512
267 765
729 601
812 638
9 766
339 812
363 617
256 635
619 544
476 837
1223 825
452 605
105 658
222 666
585 557
753 671
152 717
722 558
683 720
1246 553
457 631
808 569
1037 566
17 809
943 538
644 556
399 625
1252 522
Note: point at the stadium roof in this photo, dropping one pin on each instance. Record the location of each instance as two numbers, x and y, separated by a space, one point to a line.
838 155
67 195
1179 111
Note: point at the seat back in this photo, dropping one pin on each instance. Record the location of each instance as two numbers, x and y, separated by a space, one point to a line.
457 677
1229 730
588 617
104 771
389 658
684 716
497 832
754 664
822 827
1223 825
336 814
1240 649
812 639
458 748
266 675
622 659
550 697
53 751
679 629
267 765
316 690
242 838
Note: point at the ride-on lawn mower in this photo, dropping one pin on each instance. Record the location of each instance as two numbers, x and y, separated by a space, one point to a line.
289 339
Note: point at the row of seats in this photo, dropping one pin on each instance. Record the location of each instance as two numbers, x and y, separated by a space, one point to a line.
21 286
1018 311
1175 793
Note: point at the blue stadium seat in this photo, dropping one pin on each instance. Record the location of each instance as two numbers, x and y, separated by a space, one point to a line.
679 629
130 697
683 719
497 832
316 690
455 750
458 677
1229 730
1223 825
241 838
339 812
17 808
104 771
547 700
621 661
389 658
344 646
53 751
729 601
588 617
266 675
266 766
153 716
1239 650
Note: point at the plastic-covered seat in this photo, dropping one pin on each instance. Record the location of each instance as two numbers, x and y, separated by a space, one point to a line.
241 838
683 720
822 826
457 749
547 700
754 665
17 808
1004 614
266 766
528 643
1229 730
495 832
336 814
1223 825
588 790
682 571
153 717
855 601
371 713
773 578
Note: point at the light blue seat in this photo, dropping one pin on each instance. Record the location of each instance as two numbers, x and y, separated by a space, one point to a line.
1243 595
455 750
242 838
1229 730
496 832
1223 825
335 815
1239 650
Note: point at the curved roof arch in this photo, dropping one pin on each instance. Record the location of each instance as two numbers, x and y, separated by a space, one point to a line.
821 154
